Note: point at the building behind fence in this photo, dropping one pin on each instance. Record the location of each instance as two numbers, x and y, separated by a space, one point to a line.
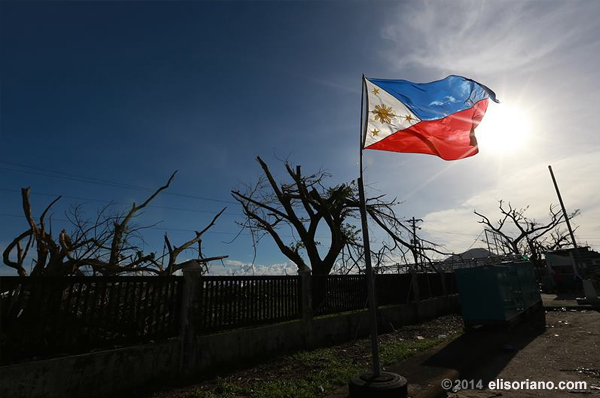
47 317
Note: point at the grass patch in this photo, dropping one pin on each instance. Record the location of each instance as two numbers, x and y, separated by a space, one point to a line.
317 373
393 352
324 371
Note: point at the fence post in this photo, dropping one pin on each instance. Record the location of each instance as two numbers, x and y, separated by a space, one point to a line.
306 307
190 306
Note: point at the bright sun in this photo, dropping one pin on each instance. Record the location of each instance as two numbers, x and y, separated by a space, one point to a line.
504 129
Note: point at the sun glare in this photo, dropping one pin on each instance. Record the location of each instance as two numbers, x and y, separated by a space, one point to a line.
504 129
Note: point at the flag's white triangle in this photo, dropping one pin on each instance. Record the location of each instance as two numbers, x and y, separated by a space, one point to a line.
385 115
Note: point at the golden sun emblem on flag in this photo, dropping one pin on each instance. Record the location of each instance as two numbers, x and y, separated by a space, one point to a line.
383 113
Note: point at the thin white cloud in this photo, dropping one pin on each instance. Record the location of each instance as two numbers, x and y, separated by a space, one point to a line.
457 227
233 263
235 267
469 36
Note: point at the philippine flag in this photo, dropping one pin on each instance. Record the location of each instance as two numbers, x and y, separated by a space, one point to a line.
437 118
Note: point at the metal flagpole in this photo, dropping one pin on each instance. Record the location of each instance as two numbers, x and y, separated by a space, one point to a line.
375 384
366 246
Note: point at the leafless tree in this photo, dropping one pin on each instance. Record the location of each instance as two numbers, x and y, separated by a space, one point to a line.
304 205
522 235
108 244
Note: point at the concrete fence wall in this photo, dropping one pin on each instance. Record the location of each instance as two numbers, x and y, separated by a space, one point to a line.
126 370
99 374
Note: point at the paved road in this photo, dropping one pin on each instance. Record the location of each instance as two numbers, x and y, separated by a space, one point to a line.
568 350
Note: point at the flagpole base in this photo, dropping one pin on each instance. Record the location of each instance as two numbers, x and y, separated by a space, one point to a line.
386 385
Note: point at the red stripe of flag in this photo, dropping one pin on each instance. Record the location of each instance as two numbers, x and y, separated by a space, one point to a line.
450 138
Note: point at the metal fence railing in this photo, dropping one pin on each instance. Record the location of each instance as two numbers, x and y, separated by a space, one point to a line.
50 316
46 316
394 289
227 302
338 293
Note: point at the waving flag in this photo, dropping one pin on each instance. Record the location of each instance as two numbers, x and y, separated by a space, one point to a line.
437 118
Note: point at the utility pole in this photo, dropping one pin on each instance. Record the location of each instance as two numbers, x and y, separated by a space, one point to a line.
562 205
416 244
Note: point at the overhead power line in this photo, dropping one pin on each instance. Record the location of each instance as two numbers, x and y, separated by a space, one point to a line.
118 203
154 227
165 228
97 181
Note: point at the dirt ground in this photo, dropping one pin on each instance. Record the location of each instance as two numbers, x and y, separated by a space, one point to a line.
568 350
357 351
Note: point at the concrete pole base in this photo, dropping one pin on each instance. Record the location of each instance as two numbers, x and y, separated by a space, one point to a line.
386 385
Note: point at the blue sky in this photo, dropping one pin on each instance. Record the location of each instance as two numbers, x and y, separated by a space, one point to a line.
128 92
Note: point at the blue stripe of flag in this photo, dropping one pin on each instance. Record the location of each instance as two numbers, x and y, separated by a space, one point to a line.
436 100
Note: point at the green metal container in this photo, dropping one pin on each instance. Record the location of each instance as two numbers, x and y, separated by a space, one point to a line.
496 293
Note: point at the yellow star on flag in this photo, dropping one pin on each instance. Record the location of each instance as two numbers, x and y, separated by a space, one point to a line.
375 91
375 132
408 118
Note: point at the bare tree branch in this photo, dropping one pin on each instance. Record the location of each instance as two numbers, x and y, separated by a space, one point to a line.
107 244
526 236
174 252
120 227
304 206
